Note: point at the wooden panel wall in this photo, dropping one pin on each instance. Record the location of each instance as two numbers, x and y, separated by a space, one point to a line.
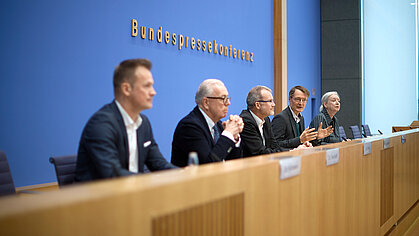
406 169
127 206
387 185
357 196
221 217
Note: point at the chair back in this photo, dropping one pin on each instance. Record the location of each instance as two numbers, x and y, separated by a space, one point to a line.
65 168
367 130
342 133
415 123
355 131
6 182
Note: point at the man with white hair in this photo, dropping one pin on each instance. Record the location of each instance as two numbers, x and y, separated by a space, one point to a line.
201 131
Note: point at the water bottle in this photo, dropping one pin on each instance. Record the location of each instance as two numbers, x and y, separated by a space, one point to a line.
193 159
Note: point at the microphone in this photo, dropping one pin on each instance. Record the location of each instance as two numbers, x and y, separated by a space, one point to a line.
364 135
380 132
344 139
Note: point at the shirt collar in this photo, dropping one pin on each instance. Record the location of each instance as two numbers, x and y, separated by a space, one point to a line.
296 118
210 122
259 121
127 119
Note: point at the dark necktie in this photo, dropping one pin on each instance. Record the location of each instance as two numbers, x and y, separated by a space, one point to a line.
216 133
297 127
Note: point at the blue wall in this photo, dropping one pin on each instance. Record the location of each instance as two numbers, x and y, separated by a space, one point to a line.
58 58
303 51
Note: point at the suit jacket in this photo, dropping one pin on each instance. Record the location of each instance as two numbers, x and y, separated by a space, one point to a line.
193 135
103 149
285 132
252 138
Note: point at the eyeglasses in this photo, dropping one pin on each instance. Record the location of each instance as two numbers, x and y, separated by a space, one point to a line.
225 99
303 100
271 101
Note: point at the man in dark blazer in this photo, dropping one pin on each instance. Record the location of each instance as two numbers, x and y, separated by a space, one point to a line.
201 131
118 140
257 136
288 125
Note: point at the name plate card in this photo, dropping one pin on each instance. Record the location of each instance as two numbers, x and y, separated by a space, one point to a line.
332 156
290 167
386 143
367 148
403 138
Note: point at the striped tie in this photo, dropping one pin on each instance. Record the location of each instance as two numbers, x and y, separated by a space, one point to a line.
216 133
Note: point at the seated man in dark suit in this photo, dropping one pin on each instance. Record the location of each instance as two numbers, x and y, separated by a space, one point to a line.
201 131
257 136
288 125
118 140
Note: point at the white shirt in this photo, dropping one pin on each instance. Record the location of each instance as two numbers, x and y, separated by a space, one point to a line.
131 128
296 118
211 124
259 123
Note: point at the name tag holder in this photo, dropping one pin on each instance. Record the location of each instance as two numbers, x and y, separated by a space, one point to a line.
367 148
386 142
332 156
290 167
403 139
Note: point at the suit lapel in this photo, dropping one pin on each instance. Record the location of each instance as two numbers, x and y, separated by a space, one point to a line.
122 128
302 126
140 145
266 132
204 124
249 116
292 122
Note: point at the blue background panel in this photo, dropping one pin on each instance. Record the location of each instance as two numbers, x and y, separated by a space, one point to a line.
58 58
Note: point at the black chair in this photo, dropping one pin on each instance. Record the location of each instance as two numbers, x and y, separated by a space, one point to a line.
342 133
355 131
6 181
366 129
65 168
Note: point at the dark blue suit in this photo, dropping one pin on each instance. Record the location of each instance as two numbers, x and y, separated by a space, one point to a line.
103 149
192 134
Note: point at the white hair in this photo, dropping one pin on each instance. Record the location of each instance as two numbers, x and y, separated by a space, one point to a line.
206 88
325 98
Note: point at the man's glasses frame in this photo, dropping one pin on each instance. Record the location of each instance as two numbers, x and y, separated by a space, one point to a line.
271 101
225 99
302 100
